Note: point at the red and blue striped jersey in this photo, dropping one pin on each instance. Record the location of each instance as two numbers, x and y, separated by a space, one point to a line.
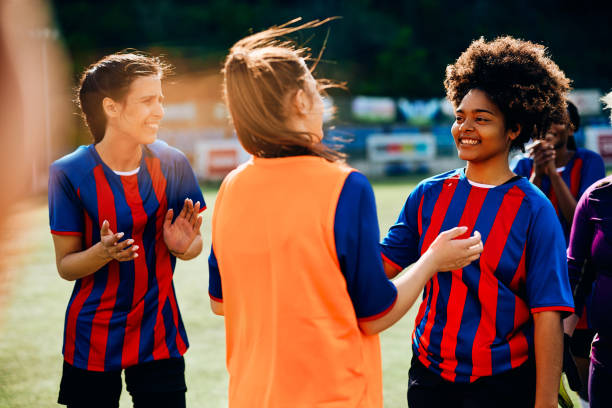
584 168
477 321
126 313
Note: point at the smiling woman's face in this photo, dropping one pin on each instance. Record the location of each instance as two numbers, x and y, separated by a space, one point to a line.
141 110
479 129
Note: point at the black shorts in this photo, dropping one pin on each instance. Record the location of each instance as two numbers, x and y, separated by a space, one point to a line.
511 389
156 383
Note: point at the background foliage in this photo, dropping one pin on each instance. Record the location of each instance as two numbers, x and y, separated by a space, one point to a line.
382 47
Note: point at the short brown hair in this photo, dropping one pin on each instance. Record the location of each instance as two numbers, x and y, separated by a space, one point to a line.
525 84
111 77
261 73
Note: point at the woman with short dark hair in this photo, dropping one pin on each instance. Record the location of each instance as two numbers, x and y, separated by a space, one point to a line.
121 211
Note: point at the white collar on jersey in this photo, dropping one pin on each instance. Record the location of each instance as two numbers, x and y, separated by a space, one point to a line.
127 173
480 184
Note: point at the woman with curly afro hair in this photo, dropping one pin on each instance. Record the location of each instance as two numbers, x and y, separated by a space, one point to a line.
490 334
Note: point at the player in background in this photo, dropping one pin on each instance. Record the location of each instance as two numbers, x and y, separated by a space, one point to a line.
591 243
121 211
295 266
560 169
490 334
563 172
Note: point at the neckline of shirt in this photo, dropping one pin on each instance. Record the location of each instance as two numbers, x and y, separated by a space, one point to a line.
127 173
284 159
510 181
97 157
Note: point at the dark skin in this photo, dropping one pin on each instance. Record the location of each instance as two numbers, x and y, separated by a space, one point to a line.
548 154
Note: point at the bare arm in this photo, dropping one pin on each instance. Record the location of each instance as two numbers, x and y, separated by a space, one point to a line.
194 249
74 263
217 307
548 339
445 253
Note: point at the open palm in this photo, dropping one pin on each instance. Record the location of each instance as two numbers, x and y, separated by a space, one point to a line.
179 235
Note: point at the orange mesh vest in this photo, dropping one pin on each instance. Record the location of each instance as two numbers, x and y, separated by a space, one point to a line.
291 330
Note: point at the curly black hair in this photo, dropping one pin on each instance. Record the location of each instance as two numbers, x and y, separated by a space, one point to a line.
518 76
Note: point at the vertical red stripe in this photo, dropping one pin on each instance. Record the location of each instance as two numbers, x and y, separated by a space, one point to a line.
420 216
99 327
131 344
520 276
180 342
163 267
458 292
553 198
575 178
487 287
79 300
437 218
516 339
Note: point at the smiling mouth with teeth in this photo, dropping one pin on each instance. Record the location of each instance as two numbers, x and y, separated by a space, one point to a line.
469 141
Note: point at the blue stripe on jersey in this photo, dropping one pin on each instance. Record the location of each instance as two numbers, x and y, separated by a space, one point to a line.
125 291
170 328
429 202
150 205
471 275
451 220
544 285
75 172
181 326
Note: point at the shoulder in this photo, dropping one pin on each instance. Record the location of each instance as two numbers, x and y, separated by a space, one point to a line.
600 189
523 165
438 180
166 154
532 195
74 165
356 182
524 161
588 155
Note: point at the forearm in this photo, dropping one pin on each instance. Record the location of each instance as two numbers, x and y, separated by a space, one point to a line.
409 287
79 264
194 249
548 342
567 202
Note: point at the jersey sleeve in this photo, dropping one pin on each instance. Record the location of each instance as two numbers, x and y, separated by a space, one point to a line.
578 252
188 186
593 169
400 247
356 233
523 167
214 278
547 282
65 210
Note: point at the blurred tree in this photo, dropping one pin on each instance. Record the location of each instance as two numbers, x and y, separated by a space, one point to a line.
381 47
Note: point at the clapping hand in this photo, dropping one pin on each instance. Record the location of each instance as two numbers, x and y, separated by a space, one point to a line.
543 155
119 251
179 235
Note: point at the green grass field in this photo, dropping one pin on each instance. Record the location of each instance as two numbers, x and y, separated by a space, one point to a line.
33 301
